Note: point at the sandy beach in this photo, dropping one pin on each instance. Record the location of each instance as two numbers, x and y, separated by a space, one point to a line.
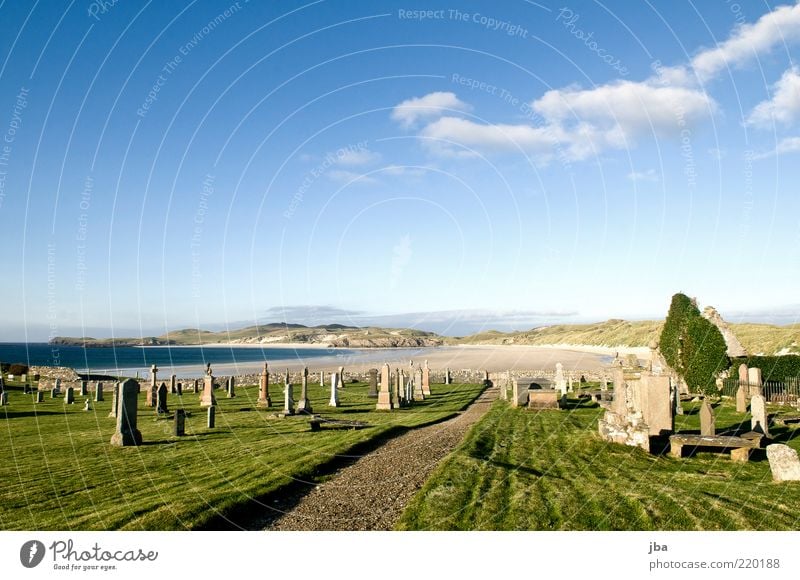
490 357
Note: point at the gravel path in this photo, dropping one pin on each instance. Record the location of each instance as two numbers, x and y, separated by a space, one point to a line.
372 493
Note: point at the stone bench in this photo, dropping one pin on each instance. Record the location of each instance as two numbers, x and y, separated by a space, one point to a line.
739 447
317 422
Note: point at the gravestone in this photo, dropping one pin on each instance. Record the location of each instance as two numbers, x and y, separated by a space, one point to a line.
504 386
707 426
24 378
288 397
207 399
758 419
447 378
161 399
179 389
656 404
70 397
754 380
384 396
173 384
519 392
741 399
194 386
744 376
114 400
84 388
26 389
334 401
341 377
127 434
3 398
304 405
39 397
263 389
53 393
373 383
783 462
57 387
561 383
417 378
152 391
619 404
180 423
87 406
98 391
397 390
321 378
231 388
426 380
676 397
603 382
212 413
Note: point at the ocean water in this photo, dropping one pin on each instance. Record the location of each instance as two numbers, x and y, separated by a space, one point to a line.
128 357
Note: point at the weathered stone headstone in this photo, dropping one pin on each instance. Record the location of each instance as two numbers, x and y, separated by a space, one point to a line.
426 380
57 387
179 389
519 393
603 382
231 389
152 391
373 383
741 399
114 400
161 399
707 424
173 384
397 391
783 462
84 388
304 405
70 396
341 377
569 383
263 389
321 378
754 379
743 374
180 423
38 397
561 383
127 434
384 396
676 397
53 393
194 386
98 391
334 401
758 411
207 399
212 413
504 386
288 397
447 378
656 404
3 398
417 378
87 406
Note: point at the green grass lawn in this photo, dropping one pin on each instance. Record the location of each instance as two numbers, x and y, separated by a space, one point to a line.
523 470
60 472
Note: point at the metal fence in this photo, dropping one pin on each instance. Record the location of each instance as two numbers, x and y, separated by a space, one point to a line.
785 391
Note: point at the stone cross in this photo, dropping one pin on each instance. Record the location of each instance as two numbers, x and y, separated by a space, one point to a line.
70 398
707 426
384 396
161 399
334 402
741 399
304 405
98 391
152 392
758 411
372 393
263 389
207 399
127 434
426 380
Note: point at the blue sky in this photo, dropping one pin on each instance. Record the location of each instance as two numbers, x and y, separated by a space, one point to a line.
450 166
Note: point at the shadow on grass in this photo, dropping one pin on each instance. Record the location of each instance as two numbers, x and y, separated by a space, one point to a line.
18 414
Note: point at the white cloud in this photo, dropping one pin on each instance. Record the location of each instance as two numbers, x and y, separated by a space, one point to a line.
405 170
344 176
784 106
780 26
787 145
353 157
649 175
431 105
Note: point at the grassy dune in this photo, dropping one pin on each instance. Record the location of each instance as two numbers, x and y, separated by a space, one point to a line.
521 470
59 471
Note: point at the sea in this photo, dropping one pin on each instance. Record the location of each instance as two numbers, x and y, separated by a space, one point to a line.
115 359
